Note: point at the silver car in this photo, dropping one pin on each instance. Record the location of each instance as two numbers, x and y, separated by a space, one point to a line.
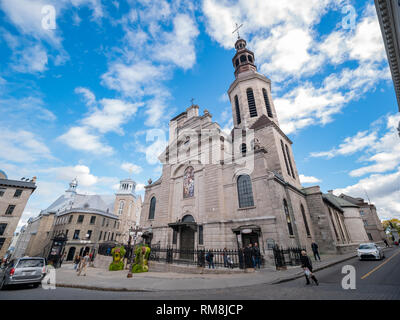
370 251
27 270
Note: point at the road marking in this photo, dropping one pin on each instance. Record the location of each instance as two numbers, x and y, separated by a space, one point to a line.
381 265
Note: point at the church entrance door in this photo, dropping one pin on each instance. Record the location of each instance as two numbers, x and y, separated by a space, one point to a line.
249 238
187 243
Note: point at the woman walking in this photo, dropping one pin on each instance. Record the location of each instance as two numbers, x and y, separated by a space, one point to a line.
77 259
307 267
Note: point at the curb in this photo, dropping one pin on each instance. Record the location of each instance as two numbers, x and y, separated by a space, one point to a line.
301 274
77 286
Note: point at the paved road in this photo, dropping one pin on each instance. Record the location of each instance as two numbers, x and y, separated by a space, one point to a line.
374 280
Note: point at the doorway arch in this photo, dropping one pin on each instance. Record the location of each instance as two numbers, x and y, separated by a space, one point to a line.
71 253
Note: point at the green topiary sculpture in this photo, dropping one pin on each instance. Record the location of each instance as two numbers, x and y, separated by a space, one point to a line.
142 253
118 263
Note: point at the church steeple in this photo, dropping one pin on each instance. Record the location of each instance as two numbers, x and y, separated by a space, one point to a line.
250 93
244 58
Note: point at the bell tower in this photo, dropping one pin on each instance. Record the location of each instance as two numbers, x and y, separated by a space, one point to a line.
250 93
253 108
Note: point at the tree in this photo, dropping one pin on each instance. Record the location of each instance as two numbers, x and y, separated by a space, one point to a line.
394 222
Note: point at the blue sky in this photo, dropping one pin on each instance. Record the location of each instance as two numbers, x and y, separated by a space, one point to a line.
79 100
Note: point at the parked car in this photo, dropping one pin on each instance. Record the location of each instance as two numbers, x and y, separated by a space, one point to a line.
26 270
370 251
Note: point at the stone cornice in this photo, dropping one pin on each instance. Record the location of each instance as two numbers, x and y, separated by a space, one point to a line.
386 15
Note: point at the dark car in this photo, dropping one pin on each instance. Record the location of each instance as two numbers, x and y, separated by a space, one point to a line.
27 270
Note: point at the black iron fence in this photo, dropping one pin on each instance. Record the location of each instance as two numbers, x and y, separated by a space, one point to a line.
287 257
218 258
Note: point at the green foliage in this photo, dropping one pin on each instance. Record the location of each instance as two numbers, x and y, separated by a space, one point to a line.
142 253
118 254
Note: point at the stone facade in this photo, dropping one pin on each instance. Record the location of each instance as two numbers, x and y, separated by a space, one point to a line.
14 195
37 232
276 208
371 222
221 190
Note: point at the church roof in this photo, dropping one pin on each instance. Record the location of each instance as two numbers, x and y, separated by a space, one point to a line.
264 121
101 203
338 202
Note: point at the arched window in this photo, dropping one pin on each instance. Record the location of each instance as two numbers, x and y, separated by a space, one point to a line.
252 102
243 58
188 218
152 208
303 213
237 62
121 207
245 191
288 219
243 149
267 105
290 161
188 183
238 120
250 59
284 156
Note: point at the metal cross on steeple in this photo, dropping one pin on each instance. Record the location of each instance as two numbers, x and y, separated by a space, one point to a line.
191 100
237 29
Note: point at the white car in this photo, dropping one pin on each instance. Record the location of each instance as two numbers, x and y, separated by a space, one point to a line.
370 251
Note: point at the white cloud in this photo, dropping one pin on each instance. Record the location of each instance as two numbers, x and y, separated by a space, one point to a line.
382 189
30 60
67 174
350 145
131 167
179 46
22 146
306 179
111 116
133 79
89 96
79 138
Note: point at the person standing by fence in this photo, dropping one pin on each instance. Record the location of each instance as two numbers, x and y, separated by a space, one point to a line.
210 259
248 258
257 256
307 267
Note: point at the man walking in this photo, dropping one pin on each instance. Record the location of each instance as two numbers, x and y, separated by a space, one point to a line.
210 259
307 267
314 248
386 243
84 263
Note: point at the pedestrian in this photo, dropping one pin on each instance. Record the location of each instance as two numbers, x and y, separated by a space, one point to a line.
210 259
307 267
248 261
386 243
62 258
257 256
77 259
225 256
84 264
314 248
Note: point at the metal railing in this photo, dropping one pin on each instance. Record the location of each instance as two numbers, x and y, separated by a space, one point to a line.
218 258
287 257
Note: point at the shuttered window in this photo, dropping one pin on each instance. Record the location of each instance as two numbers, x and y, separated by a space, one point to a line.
267 105
238 119
252 103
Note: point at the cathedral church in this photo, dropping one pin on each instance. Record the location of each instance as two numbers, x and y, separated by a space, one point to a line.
226 191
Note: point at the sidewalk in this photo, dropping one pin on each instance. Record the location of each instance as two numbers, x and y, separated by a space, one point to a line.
100 279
